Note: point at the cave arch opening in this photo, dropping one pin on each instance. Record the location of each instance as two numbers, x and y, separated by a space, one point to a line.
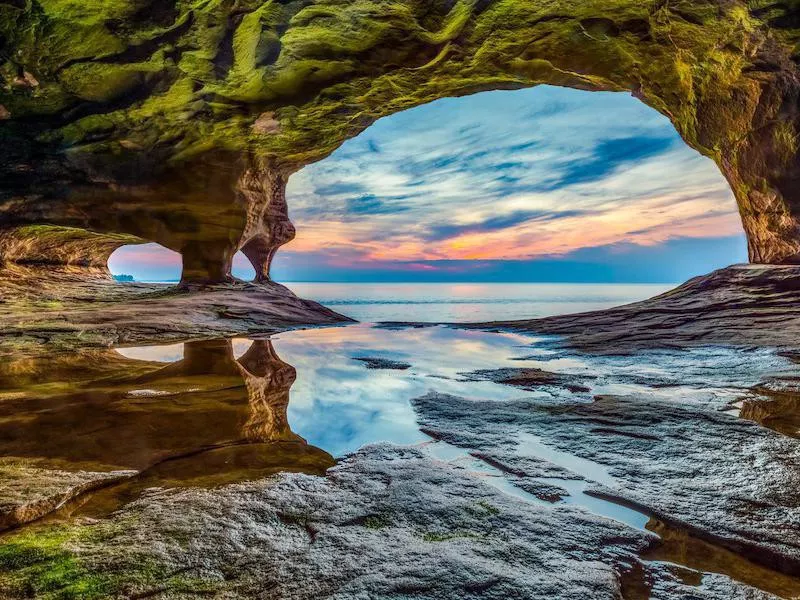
152 262
499 185
524 185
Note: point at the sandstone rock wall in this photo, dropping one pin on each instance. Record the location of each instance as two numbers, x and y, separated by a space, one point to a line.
179 122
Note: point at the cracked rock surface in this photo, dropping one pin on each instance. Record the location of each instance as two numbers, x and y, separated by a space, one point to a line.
387 522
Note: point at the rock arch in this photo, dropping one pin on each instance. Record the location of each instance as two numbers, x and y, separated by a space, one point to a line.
181 126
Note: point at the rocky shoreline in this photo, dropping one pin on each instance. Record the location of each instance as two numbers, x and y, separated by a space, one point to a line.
684 425
78 308
741 305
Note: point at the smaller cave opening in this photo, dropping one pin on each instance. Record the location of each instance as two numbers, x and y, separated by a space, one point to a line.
145 263
153 263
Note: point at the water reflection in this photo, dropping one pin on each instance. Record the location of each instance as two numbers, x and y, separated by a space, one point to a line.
340 404
207 413
212 417
776 409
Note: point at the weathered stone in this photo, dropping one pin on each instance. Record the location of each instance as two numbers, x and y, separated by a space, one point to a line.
183 128
673 472
46 245
387 522
83 306
30 492
382 363
267 123
531 379
743 305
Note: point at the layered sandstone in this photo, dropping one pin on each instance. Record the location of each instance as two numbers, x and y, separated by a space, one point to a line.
180 122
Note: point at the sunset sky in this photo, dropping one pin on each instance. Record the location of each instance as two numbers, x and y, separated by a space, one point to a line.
544 184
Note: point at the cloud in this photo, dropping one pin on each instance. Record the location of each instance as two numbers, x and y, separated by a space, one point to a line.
670 262
510 175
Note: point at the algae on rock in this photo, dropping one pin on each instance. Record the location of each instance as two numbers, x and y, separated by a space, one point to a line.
180 122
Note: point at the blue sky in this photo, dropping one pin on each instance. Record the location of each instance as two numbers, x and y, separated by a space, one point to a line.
543 184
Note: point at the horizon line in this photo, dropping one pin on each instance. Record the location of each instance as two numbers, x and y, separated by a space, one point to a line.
429 282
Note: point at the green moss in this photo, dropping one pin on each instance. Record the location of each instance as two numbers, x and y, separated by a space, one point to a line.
65 234
90 126
786 141
254 39
101 82
392 55
488 508
378 521
453 25
446 537
80 11
57 563
37 563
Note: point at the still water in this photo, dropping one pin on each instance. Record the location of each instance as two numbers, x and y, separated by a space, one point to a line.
471 302
213 412
327 391
340 403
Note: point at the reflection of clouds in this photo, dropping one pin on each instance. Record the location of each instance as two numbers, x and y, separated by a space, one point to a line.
340 405
337 404
509 175
240 347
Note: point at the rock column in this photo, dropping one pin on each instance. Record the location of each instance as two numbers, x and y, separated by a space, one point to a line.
263 191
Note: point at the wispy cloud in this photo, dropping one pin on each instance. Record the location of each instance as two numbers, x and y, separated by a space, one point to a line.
510 175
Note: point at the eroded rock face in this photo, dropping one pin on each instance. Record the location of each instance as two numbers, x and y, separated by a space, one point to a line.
655 464
59 246
179 123
740 305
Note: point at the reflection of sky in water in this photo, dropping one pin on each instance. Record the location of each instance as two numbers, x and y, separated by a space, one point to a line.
170 353
339 405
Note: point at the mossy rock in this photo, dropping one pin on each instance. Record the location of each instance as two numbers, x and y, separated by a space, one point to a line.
139 97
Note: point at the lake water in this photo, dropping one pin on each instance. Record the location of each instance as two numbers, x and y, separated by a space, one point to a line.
471 302
213 412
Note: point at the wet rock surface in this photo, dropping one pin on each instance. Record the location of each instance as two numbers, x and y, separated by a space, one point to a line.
383 363
30 492
387 522
74 307
674 460
531 378
743 305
